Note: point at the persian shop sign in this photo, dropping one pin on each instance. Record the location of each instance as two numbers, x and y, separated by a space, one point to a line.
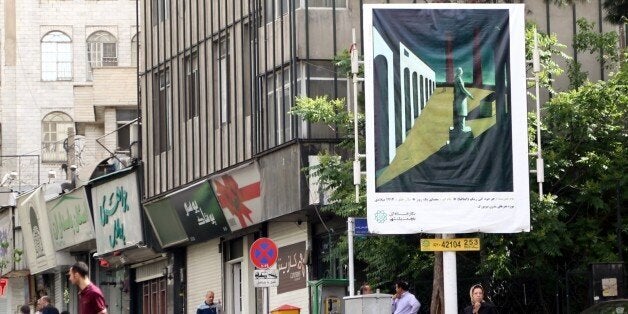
117 213
70 219
40 253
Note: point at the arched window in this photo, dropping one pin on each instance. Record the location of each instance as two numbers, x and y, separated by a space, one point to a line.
102 51
54 128
56 57
134 49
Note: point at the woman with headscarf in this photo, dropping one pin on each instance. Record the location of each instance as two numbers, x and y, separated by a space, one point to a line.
478 305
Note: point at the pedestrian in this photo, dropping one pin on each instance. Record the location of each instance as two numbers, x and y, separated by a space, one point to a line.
478 305
366 289
208 306
404 302
91 300
44 304
25 309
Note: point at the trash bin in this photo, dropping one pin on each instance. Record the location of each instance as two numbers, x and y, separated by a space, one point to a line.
286 309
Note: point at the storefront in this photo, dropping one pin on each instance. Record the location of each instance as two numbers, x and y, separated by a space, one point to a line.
72 232
13 269
47 266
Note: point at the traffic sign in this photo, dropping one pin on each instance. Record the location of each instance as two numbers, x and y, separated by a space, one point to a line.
264 278
361 227
263 253
461 244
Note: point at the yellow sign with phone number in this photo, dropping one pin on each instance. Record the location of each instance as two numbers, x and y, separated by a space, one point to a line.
461 244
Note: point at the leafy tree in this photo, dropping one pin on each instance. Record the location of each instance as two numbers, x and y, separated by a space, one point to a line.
549 50
587 40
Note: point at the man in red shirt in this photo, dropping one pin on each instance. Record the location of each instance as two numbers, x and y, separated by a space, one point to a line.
91 300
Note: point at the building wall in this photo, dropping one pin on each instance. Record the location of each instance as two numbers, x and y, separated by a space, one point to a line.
286 233
203 273
25 97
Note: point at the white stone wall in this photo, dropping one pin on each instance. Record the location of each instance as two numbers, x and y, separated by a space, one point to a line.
25 99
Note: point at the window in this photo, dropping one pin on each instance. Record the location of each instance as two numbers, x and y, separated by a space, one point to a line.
279 104
162 112
160 10
134 46
192 86
55 130
277 8
102 51
123 117
56 57
221 72
328 3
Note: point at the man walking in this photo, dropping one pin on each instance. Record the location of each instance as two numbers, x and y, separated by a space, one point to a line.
91 300
208 306
404 302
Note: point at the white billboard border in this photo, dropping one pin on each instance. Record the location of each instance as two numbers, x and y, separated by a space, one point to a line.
450 218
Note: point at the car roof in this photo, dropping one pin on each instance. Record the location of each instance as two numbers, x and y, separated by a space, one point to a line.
617 306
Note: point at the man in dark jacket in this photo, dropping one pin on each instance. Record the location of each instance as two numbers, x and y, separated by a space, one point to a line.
208 306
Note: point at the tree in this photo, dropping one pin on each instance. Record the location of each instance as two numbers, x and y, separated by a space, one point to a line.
587 40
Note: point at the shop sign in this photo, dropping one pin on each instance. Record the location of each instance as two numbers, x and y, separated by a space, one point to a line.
36 232
6 242
291 267
200 213
192 215
239 194
117 213
70 219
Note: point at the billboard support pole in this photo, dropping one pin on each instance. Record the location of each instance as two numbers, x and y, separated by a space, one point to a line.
355 70
350 233
450 280
536 68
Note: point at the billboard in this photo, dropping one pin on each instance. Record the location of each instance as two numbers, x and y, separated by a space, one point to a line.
447 146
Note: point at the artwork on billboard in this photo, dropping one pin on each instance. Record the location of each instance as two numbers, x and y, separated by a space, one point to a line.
117 213
446 118
239 194
70 219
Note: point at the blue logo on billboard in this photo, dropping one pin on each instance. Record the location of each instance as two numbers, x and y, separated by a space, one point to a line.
380 216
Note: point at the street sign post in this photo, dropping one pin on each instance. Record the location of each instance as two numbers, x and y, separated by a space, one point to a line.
263 253
447 245
264 278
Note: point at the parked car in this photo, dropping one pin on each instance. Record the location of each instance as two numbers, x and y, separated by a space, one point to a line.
619 306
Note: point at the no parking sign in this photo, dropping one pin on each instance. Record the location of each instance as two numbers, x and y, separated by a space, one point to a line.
263 253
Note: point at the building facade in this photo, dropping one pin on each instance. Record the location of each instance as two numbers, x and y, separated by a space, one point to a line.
68 80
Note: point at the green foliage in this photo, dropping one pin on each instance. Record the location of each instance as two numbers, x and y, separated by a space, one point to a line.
549 48
588 40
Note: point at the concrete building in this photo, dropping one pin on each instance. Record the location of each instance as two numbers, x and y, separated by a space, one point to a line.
217 81
67 67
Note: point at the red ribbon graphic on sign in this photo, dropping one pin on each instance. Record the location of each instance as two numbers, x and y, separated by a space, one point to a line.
233 197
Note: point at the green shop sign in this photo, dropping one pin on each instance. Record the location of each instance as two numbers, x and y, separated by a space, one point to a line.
70 219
